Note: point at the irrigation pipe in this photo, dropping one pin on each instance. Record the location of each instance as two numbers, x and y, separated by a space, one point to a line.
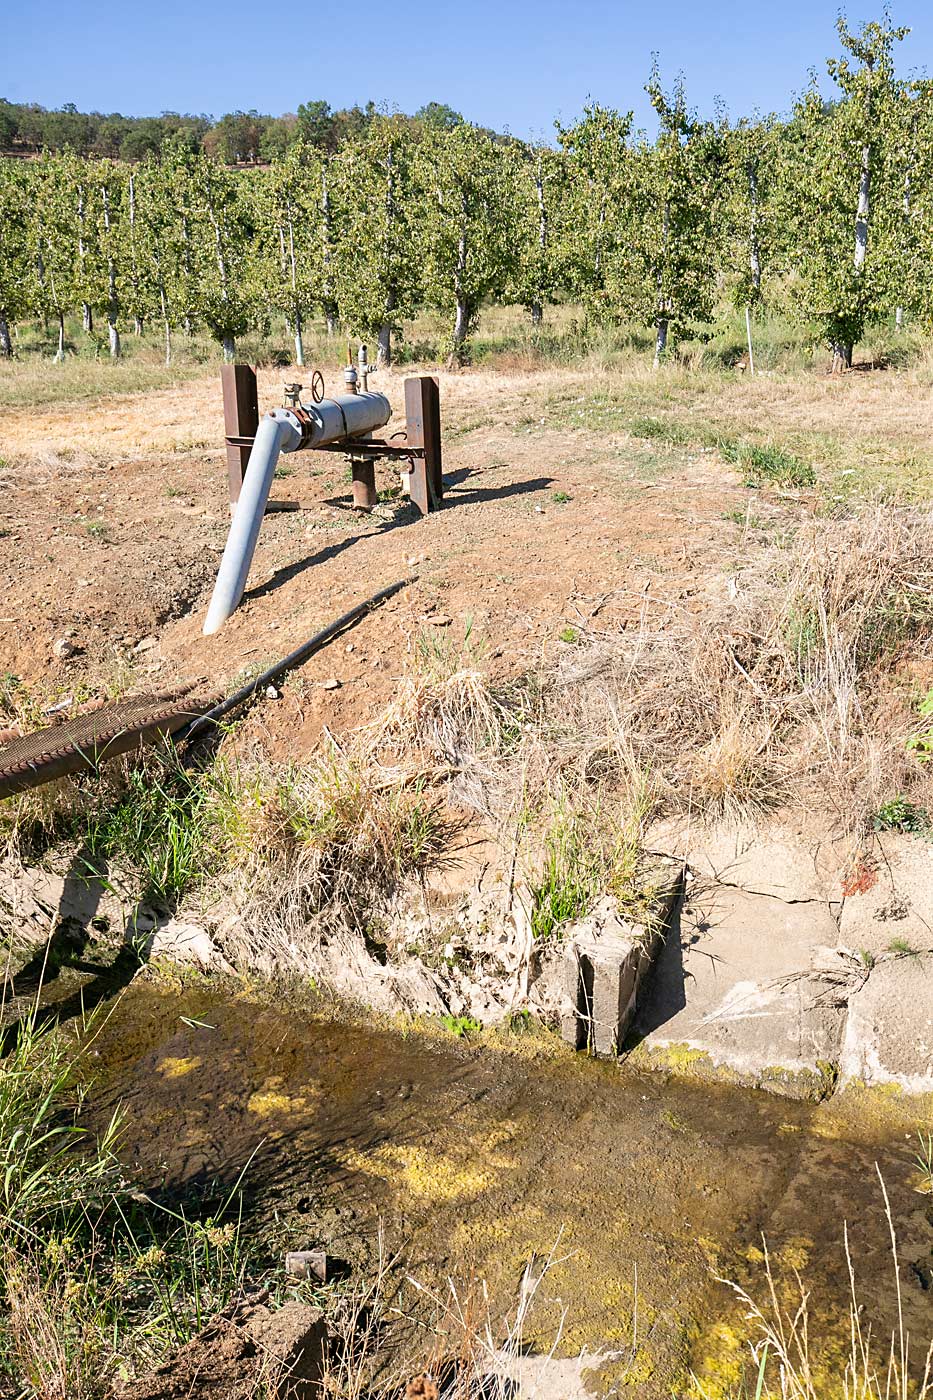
294 658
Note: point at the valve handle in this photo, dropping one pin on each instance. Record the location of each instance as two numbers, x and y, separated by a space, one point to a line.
317 386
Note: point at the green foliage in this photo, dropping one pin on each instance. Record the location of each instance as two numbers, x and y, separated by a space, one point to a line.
768 465
462 1026
160 827
921 743
900 814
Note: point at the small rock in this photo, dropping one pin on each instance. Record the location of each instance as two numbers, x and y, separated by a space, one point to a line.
146 644
83 582
63 648
307 1263
439 621
272 693
350 647
332 684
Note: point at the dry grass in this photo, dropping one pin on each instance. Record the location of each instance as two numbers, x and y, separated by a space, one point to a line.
794 684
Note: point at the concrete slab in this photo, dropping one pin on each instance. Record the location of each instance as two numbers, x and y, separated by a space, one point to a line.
889 1028
750 983
895 914
792 861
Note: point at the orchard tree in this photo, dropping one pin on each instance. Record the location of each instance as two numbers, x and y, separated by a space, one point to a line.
53 253
224 230
467 234
114 243
750 243
596 204
17 193
913 251
376 279
845 186
541 224
289 249
662 273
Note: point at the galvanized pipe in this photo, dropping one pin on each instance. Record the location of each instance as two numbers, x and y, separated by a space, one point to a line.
274 434
346 416
283 430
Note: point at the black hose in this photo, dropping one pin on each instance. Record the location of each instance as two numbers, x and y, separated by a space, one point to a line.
294 658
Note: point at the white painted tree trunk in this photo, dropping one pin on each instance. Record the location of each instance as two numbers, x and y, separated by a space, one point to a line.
138 326
229 346
863 210
754 252
748 335
6 344
299 340
59 356
166 326
537 308
87 317
660 341
462 316
384 338
113 305
330 306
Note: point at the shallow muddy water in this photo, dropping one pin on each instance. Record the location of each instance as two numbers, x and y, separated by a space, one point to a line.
478 1156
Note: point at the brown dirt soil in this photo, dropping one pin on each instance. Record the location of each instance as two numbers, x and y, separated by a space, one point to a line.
111 531
244 1352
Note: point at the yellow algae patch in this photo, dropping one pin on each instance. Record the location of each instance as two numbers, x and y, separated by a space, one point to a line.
426 1175
173 1067
272 1098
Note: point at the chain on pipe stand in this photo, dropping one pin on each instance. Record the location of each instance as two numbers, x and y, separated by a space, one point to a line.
348 424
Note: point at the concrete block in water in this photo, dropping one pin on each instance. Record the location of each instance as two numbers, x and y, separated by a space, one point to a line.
606 961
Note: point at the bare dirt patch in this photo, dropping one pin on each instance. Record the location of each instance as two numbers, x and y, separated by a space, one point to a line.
112 527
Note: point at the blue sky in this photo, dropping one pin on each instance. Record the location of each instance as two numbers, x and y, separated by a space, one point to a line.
510 65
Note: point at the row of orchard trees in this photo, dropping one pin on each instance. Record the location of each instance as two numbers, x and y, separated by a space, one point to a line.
830 209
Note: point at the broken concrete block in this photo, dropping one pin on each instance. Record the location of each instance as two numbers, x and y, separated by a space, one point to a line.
895 912
750 983
889 1027
606 960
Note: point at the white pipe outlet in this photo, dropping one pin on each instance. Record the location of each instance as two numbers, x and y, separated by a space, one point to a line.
278 432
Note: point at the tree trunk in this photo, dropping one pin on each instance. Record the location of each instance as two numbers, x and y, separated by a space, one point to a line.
748 336
660 343
87 317
899 318
330 318
6 344
384 339
138 326
59 356
229 345
187 326
754 255
458 350
862 212
299 341
113 305
842 357
163 304
537 314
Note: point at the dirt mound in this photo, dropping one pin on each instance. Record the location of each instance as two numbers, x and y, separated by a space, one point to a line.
246 1351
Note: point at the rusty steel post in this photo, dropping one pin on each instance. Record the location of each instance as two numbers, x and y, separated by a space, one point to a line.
423 416
241 420
363 471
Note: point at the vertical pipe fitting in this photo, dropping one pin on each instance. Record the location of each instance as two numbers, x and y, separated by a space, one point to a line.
273 434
